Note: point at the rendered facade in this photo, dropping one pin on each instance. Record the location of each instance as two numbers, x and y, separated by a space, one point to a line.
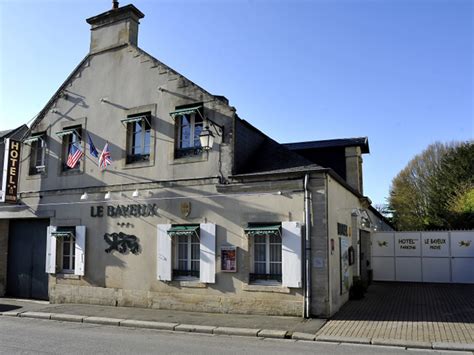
247 226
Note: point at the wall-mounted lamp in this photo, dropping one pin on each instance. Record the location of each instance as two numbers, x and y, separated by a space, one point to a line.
107 196
104 99
84 196
136 193
207 137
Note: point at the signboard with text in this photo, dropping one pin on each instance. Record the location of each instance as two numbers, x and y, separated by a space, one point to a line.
10 171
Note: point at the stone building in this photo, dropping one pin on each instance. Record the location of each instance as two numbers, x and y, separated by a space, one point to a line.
240 224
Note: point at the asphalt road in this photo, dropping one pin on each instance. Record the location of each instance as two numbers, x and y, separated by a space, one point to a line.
32 336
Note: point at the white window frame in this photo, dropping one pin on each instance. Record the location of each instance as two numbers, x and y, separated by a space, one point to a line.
267 261
71 255
37 146
189 246
145 127
75 136
192 124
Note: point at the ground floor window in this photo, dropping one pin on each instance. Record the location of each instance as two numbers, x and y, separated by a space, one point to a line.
266 251
186 256
66 249
186 251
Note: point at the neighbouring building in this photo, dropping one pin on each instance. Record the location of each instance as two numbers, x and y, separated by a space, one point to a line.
197 211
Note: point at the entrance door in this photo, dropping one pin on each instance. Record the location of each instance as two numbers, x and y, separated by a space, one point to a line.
26 275
364 255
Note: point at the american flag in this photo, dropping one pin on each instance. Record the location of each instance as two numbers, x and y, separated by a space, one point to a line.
104 158
75 154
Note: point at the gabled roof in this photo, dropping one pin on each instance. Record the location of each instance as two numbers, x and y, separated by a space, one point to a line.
362 142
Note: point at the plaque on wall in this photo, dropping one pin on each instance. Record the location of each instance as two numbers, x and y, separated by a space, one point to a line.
229 259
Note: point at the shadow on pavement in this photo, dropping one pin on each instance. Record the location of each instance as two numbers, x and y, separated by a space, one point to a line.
8 307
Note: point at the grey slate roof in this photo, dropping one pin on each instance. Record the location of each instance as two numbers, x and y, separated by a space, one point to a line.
362 142
271 156
15 133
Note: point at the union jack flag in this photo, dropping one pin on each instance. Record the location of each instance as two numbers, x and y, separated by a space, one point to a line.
104 158
75 154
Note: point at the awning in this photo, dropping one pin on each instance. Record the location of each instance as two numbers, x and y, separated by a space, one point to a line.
269 229
135 119
67 132
62 234
183 230
33 138
185 111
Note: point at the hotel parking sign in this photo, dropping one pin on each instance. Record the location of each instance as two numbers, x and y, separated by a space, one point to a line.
10 171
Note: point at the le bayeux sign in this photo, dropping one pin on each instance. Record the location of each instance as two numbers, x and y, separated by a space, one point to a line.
10 171
133 210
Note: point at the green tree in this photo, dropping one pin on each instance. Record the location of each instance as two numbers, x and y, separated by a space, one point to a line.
434 190
452 192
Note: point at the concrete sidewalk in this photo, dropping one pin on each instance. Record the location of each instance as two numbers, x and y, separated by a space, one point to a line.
230 324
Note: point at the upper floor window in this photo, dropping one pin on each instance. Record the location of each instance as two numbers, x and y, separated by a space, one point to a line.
72 151
138 137
189 125
37 142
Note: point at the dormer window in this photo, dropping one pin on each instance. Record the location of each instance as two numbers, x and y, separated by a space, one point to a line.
37 143
138 137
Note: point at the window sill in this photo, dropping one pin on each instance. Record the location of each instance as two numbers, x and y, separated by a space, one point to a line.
138 164
190 159
190 283
265 288
61 275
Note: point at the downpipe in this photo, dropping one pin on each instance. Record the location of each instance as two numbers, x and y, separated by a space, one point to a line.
307 249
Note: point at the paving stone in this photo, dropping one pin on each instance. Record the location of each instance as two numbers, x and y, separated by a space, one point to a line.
339 339
38 315
102 320
303 336
195 328
453 346
270 333
148 324
67 317
402 342
236 331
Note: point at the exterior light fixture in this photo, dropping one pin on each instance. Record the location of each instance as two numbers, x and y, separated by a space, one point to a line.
207 138
84 196
136 193
107 195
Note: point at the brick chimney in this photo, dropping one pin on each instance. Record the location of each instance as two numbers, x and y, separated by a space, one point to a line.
115 27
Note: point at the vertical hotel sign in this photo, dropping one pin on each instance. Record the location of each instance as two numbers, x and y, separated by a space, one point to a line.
10 171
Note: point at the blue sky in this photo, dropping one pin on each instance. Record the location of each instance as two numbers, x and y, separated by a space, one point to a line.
399 72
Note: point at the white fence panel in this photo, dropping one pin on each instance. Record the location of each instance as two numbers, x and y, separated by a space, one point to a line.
408 269
383 268
436 269
446 256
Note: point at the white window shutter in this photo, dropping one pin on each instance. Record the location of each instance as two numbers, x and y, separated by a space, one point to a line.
163 271
291 245
207 267
80 250
50 250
